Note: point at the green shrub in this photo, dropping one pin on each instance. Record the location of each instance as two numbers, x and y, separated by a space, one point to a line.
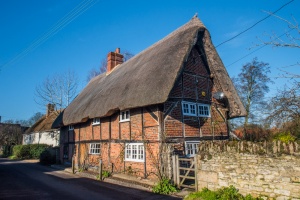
46 158
105 174
37 149
225 193
164 186
30 151
205 194
21 151
285 137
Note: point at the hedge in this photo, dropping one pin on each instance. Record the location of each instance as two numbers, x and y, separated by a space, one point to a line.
29 151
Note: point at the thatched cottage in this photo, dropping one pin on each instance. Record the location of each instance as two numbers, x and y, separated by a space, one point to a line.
41 132
162 101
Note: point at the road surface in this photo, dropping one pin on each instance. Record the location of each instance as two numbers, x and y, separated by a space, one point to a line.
24 180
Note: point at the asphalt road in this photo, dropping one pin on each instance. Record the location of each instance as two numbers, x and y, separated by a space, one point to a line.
23 180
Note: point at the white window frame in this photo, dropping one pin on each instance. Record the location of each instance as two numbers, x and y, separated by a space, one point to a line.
94 148
124 113
206 108
96 121
193 109
71 127
189 108
134 152
191 148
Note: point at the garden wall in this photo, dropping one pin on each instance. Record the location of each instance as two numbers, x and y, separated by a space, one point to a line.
260 169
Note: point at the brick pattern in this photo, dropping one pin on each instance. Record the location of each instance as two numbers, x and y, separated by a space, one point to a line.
112 136
194 85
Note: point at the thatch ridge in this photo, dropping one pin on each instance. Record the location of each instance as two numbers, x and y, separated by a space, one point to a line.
44 123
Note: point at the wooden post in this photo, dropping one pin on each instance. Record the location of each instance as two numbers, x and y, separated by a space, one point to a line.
100 170
73 165
177 171
196 172
174 169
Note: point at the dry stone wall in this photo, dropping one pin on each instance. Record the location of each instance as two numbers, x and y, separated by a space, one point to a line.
260 169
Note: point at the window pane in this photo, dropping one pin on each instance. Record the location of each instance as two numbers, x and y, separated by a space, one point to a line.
185 108
192 109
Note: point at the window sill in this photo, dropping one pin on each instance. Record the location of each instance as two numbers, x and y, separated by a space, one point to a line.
132 160
125 120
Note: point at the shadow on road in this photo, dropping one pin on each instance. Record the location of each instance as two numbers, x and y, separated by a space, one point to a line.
26 180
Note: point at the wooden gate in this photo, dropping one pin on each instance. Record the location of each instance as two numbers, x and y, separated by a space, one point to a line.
185 172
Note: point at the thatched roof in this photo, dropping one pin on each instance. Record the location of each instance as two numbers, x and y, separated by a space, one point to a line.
44 123
148 77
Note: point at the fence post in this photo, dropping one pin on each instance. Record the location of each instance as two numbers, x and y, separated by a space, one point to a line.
174 169
196 172
177 171
100 170
73 165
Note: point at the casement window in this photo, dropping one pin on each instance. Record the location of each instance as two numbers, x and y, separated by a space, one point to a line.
189 108
134 152
94 148
195 109
71 127
191 148
96 121
203 110
124 116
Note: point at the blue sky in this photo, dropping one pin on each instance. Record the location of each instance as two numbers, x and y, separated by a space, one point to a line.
30 51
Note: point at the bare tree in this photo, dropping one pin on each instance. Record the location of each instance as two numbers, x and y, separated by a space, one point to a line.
102 68
287 39
252 85
284 109
60 90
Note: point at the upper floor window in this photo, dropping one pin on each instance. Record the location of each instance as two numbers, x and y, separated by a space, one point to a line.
195 109
96 121
94 148
124 116
71 127
134 152
191 148
203 110
189 108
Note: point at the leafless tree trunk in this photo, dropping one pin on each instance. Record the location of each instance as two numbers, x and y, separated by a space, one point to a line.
60 90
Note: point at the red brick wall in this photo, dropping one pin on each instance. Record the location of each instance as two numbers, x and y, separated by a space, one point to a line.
194 85
113 135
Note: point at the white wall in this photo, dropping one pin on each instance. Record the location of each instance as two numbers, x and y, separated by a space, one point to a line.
50 138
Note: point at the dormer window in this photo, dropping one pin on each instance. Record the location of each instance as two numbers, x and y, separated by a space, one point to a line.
124 116
189 108
195 109
96 121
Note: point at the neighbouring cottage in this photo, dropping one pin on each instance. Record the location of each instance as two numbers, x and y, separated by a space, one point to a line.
42 132
163 101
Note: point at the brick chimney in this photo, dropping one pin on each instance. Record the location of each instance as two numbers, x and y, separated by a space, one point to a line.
50 108
114 59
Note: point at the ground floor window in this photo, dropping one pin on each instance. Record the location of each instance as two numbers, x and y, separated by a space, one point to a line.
94 148
191 148
134 152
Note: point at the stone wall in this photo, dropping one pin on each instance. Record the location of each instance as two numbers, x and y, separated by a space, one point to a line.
260 169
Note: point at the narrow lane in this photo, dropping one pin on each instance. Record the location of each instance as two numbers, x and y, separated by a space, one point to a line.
22 180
